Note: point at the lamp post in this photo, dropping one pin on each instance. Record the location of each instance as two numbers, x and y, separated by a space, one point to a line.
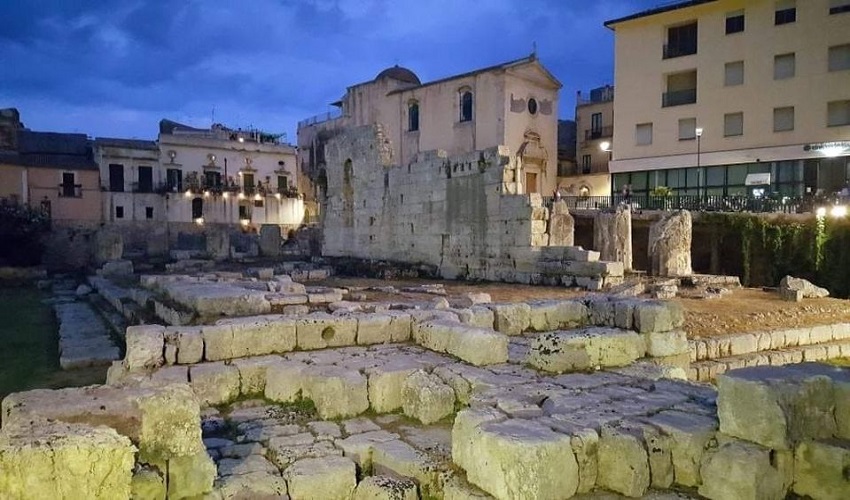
698 132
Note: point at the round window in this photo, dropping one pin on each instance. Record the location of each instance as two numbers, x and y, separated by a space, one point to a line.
532 106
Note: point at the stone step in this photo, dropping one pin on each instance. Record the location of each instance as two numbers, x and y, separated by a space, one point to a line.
746 343
708 370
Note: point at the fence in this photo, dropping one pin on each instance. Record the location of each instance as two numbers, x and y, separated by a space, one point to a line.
691 202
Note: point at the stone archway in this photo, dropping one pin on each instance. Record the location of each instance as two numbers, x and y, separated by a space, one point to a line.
532 156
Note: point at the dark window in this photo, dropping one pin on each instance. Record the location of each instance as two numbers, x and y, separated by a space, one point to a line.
145 179
243 211
282 183
839 6
116 177
212 179
174 179
119 212
785 16
596 125
149 212
248 183
258 203
585 164
197 208
532 106
734 23
681 89
681 41
466 106
413 117
69 189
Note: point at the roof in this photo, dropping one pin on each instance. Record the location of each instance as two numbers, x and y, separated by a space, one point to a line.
113 142
169 126
51 150
667 7
507 65
401 74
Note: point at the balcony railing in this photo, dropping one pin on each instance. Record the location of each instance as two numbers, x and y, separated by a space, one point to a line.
320 118
696 203
70 190
598 133
679 50
678 98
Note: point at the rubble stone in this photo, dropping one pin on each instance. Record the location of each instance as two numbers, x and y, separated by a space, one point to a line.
670 245
426 398
584 349
822 470
738 469
321 478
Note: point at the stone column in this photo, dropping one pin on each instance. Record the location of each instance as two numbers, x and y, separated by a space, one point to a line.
612 235
670 245
270 240
561 226
218 244
108 246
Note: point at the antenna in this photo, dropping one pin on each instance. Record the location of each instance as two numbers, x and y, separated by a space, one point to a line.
212 117
534 49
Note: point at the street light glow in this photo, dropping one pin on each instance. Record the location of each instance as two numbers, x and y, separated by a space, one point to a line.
605 146
698 131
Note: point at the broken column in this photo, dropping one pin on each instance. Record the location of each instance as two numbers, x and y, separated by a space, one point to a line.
561 226
670 245
612 235
270 240
218 244
108 246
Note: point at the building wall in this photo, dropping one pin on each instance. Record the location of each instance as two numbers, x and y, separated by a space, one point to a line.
640 74
131 159
585 185
44 185
589 145
12 182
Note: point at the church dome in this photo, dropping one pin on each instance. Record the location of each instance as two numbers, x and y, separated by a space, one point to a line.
401 74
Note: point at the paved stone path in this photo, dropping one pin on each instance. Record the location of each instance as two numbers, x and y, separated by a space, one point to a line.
83 337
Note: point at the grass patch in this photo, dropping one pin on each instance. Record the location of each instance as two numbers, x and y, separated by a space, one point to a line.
843 362
29 357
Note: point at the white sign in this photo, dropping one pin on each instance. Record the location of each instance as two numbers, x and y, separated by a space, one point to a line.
757 179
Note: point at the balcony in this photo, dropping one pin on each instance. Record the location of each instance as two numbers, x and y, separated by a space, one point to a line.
678 98
321 118
598 133
70 190
679 50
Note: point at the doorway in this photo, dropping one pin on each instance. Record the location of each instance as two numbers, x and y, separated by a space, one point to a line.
530 182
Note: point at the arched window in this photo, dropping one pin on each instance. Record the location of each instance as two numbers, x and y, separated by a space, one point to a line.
466 105
413 116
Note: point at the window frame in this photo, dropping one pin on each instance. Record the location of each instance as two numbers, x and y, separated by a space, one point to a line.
693 131
785 12
648 126
413 116
839 8
846 122
726 117
726 80
793 118
846 59
466 99
777 58
733 16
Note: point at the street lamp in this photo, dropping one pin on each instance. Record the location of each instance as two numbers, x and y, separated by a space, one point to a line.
606 146
698 132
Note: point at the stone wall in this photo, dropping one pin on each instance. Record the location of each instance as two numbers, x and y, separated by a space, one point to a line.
459 214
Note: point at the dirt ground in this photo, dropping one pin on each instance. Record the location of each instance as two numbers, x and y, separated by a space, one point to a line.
742 310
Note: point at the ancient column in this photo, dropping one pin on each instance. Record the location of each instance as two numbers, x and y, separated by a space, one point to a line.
612 235
670 245
270 240
108 246
561 226
218 243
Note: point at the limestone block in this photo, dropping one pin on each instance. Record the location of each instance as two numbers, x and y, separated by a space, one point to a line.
477 346
359 447
612 235
270 240
777 407
108 245
519 459
624 313
399 459
336 392
585 444
252 373
670 245
547 315
189 342
218 342
623 461
260 335
285 381
400 326
215 383
561 225
59 460
808 289
373 328
821 470
662 344
478 315
842 407
386 383
584 349
470 299
252 485
511 319
117 268
690 435
190 476
385 488
145 347
321 330
147 484
656 316
321 478
738 469
426 398
457 488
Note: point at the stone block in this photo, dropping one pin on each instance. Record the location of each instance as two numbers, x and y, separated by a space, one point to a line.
511 319
624 313
398 459
470 299
515 458
385 488
145 347
218 342
285 381
547 315
190 476
663 344
738 469
654 316
215 383
147 484
321 330
59 460
585 349
189 343
426 398
337 392
477 346
400 326
321 478
359 447
252 373
386 383
822 470
690 435
260 335
373 328
623 461
670 244
259 485
778 407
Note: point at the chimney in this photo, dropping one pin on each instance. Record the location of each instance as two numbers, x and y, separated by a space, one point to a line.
10 123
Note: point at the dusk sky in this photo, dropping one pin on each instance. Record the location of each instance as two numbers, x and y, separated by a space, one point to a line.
116 67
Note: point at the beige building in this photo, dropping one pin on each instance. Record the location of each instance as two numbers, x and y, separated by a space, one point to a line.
594 135
514 104
733 97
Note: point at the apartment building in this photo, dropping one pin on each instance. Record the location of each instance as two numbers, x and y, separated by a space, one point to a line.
594 134
733 97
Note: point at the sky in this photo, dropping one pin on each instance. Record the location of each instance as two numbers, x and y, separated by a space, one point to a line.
114 68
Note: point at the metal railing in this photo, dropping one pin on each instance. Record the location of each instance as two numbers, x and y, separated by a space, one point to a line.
320 118
678 97
679 50
598 133
696 203
70 190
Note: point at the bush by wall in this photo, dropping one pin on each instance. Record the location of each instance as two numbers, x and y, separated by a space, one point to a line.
22 232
